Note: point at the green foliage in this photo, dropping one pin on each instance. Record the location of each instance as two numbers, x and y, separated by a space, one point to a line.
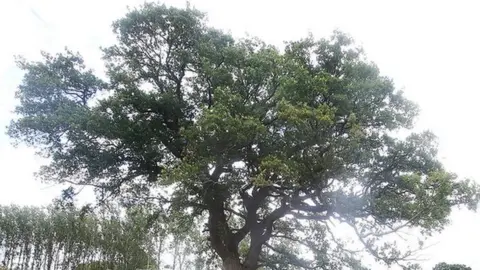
95 266
269 145
445 266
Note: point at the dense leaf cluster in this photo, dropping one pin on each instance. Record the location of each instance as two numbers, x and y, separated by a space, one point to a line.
445 266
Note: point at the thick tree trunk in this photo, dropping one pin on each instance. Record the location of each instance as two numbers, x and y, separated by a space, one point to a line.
232 264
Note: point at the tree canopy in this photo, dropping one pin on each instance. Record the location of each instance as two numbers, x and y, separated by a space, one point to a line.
271 145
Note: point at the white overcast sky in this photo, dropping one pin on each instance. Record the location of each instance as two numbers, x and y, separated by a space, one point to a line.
430 48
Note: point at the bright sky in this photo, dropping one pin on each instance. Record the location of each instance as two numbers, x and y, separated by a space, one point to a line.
430 48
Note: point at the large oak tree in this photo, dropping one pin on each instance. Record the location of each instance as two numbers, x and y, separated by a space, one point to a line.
272 146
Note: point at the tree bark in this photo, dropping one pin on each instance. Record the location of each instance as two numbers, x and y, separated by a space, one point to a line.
232 264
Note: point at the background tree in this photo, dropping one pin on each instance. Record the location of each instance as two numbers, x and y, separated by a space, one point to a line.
445 266
53 238
271 146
